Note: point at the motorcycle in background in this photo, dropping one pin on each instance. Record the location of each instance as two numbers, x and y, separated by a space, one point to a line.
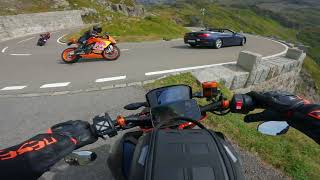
43 39
101 47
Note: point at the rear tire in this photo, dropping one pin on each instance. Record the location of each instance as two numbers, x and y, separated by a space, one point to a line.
218 44
114 55
193 45
67 58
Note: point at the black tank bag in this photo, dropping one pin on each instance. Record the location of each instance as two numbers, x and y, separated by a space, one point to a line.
192 154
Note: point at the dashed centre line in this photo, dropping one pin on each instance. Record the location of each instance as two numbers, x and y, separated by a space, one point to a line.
20 54
55 85
111 79
10 88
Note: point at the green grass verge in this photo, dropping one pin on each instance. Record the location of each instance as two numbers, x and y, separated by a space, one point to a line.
293 153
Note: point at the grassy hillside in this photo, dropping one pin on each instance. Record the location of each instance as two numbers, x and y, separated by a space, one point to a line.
11 7
302 15
139 29
238 19
293 153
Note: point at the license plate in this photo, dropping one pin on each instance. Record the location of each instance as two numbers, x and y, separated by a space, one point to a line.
192 41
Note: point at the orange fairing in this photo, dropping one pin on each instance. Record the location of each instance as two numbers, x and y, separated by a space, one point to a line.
113 41
73 40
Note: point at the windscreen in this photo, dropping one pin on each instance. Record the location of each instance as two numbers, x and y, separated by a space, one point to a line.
168 95
185 108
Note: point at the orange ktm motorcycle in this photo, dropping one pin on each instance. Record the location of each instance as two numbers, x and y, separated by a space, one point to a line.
101 47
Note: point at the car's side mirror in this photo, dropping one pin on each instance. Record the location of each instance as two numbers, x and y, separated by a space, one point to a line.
80 158
135 106
273 128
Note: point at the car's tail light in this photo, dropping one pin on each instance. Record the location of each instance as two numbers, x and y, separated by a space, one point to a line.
203 35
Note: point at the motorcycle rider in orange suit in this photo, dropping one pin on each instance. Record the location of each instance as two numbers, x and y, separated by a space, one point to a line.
30 159
94 32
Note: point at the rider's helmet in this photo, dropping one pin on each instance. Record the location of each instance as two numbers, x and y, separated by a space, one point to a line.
97 28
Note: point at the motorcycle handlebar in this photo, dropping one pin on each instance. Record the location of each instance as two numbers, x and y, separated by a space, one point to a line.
210 107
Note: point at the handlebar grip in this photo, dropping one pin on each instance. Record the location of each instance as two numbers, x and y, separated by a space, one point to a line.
210 107
242 103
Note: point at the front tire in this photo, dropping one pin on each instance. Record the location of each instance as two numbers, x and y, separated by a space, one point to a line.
111 56
193 45
67 58
218 44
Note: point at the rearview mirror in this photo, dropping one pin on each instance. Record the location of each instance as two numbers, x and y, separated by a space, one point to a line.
273 128
135 106
80 158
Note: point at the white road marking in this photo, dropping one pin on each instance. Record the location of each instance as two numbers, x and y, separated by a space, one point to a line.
278 54
20 54
10 88
274 55
186 69
54 85
25 40
125 50
4 49
111 79
58 40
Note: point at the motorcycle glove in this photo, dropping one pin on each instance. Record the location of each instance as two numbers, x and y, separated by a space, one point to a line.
30 159
80 132
283 106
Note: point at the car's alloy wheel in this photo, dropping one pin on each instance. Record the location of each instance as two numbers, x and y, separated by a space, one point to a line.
218 43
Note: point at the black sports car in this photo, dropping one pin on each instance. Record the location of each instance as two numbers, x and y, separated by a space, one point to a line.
216 38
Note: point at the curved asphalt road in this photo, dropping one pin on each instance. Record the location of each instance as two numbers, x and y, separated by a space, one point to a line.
24 64
25 67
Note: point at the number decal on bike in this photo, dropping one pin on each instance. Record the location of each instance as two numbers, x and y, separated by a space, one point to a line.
99 46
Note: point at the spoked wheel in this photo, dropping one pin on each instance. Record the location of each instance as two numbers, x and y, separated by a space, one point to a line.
218 44
68 56
111 53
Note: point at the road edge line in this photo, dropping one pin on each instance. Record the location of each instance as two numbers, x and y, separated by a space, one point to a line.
186 69
4 49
